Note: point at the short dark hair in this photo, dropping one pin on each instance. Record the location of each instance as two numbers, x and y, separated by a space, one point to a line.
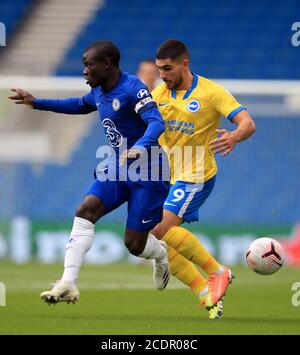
172 49
105 49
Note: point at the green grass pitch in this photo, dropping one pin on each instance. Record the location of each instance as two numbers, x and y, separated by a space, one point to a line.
120 299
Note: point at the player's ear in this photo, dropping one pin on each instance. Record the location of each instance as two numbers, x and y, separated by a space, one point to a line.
106 63
186 62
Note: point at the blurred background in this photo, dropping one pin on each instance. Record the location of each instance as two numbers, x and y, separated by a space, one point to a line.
47 160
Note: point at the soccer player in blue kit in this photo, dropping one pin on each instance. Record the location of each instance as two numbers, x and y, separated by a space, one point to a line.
128 114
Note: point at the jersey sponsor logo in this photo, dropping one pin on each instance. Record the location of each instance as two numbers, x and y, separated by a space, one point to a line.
142 93
113 136
142 103
193 106
181 126
116 104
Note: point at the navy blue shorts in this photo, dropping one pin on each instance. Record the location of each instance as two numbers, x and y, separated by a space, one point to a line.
145 200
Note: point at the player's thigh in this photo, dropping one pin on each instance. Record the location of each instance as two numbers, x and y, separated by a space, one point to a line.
145 204
185 199
107 195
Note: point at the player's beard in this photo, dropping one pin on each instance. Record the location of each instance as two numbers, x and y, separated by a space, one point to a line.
176 84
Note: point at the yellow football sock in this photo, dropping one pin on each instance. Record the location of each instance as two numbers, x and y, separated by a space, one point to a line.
185 271
186 243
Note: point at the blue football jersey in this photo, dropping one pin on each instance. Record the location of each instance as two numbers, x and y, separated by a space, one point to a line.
129 117
121 113
120 109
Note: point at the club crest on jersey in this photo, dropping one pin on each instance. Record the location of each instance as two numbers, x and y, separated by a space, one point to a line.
142 93
193 106
116 104
113 136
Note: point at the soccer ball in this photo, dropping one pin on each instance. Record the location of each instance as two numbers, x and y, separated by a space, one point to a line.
265 256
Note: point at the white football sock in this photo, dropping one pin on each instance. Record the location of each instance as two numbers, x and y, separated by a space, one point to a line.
153 249
81 240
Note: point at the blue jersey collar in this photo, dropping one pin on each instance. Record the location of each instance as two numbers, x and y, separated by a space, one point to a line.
189 91
122 78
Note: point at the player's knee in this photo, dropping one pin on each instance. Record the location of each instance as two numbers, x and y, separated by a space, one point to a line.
91 209
135 247
85 213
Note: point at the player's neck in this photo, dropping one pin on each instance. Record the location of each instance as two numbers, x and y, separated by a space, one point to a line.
186 82
112 80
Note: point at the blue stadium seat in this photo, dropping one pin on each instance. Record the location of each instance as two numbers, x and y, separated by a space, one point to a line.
12 12
225 39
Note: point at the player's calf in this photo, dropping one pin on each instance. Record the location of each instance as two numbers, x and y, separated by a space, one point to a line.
157 250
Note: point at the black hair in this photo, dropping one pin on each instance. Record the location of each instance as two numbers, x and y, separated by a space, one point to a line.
105 49
172 49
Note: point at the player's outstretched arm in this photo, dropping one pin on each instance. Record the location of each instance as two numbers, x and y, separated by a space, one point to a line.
228 139
82 105
22 97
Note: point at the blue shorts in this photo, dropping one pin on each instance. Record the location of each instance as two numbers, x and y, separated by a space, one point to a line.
145 200
185 198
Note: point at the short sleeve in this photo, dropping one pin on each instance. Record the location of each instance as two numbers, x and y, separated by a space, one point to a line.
224 102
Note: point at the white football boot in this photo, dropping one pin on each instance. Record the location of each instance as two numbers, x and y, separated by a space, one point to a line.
61 292
161 273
